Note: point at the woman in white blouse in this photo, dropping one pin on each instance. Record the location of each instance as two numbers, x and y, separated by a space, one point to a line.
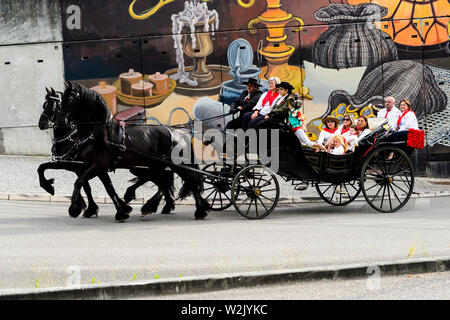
331 124
407 120
362 127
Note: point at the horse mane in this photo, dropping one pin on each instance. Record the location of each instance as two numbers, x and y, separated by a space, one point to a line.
92 99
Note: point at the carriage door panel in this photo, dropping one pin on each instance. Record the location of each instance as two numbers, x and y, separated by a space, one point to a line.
111 67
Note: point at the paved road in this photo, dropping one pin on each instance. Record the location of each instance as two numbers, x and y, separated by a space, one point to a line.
430 286
39 241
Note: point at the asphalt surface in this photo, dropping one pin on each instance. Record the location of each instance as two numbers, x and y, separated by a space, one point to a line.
41 246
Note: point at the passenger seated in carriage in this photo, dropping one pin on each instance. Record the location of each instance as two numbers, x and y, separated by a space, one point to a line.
338 145
276 117
296 121
362 127
331 125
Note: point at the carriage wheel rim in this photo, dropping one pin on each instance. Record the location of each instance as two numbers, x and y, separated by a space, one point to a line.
217 199
348 192
393 180
254 189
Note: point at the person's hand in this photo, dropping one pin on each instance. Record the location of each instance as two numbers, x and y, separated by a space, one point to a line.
254 115
266 117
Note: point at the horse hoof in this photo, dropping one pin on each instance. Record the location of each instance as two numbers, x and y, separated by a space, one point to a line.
74 210
200 215
121 217
91 213
167 210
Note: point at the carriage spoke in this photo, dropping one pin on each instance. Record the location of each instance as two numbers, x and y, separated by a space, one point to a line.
214 199
395 193
271 200
348 193
382 197
376 195
256 206
376 170
399 188
249 206
389 195
207 197
268 190
263 204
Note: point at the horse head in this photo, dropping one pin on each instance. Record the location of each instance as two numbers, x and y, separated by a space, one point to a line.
51 104
69 99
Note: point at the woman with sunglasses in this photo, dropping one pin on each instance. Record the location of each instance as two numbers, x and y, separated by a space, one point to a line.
344 128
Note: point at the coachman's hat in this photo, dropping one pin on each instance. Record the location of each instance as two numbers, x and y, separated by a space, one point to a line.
252 80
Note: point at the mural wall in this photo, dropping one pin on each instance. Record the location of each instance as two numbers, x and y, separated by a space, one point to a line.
341 56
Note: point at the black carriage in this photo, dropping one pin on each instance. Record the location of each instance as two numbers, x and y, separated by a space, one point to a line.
381 170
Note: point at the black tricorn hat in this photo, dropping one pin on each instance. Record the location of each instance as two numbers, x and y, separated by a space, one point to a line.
285 85
252 80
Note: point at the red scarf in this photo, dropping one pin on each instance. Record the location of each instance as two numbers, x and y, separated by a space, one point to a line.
329 130
359 129
401 117
345 130
270 97
387 112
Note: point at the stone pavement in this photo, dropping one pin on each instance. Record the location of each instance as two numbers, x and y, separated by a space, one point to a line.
19 181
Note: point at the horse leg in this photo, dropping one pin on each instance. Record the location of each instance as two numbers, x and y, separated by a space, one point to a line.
151 206
92 210
193 184
77 200
43 182
122 208
168 188
130 194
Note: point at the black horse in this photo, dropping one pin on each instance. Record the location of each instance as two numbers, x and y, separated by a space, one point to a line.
106 145
64 148
65 152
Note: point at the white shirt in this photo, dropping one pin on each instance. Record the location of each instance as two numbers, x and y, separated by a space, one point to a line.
265 109
364 133
392 116
409 121
324 136
352 141
339 151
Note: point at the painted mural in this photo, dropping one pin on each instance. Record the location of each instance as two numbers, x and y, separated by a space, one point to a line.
174 59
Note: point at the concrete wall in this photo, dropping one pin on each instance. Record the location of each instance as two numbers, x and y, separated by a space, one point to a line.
31 59
25 21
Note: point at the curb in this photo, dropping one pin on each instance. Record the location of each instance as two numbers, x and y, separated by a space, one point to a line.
189 201
230 281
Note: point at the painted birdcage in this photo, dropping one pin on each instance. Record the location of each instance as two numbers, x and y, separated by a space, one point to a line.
402 24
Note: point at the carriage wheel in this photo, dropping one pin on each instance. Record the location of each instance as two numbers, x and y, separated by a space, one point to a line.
339 194
255 192
218 192
387 184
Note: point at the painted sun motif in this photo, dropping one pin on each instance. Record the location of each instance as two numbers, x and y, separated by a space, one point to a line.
410 32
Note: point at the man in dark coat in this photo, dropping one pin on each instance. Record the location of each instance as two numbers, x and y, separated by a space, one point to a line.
245 103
